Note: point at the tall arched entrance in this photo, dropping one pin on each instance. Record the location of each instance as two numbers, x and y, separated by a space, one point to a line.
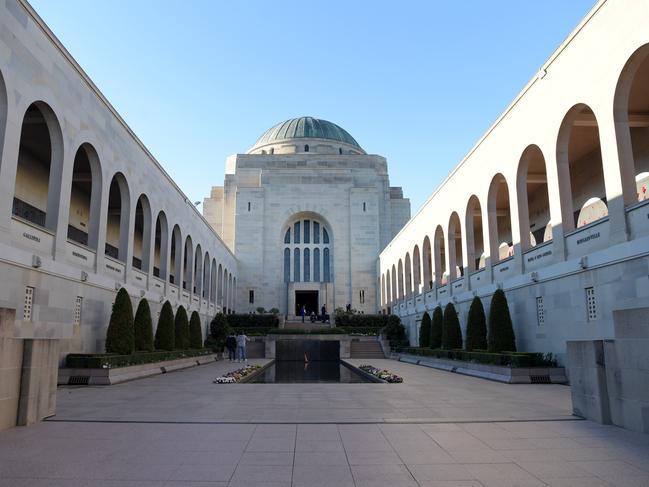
308 264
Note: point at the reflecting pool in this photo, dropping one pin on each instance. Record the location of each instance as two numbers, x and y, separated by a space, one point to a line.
288 371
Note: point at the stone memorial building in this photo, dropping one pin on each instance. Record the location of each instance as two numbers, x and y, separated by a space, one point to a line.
306 211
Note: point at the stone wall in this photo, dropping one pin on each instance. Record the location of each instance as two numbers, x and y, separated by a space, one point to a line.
610 378
28 376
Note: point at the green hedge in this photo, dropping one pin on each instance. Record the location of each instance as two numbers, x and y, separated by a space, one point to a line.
195 331
252 321
507 359
349 320
181 327
120 335
355 331
424 331
143 327
112 361
165 338
253 332
501 330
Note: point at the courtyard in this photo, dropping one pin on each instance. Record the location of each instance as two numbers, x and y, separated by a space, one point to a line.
435 429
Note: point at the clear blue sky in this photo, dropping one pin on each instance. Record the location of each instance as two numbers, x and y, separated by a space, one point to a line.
417 82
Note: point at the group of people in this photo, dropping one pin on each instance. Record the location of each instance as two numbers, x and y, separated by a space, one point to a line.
236 346
324 317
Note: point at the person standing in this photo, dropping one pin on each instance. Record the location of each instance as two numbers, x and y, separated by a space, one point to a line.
324 313
241 346
303 312
231 345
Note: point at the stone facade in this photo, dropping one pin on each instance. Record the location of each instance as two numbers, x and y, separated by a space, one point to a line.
306 181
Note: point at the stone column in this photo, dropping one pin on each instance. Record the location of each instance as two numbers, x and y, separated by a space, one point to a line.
613 178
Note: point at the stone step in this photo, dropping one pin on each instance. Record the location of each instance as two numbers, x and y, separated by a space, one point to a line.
366 349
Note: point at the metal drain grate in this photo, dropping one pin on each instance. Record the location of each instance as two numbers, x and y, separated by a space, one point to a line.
540 379
78 380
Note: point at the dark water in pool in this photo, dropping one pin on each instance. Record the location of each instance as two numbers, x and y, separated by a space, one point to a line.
287 372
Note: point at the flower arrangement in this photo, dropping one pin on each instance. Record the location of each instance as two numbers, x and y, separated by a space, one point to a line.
237 375
382 374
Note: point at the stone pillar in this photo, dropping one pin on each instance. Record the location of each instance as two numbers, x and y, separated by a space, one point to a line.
8 170
63 204
40 370
587 373
613 178
11 358
28 375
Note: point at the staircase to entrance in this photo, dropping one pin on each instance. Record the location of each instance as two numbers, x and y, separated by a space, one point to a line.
366 349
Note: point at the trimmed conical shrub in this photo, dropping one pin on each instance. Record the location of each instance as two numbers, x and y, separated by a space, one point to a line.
195 333
452 334
501 330
424 331
219 330
119 336
143 327
182 329
436 328
165 338
476 327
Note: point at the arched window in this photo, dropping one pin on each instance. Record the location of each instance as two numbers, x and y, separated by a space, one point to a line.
306 247
500 224
118 218
316 264
160 246
307 231
581 172
175 260
307 265
428 265
287 265
272 150
439 256
630 110
326 273
296 264
40 162
416 270
206 276
316 232
85 197
142 234
213 282
340 150
456 263
476 257
306 148
188 261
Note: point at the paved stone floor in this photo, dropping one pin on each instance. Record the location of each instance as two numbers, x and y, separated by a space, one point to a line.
163 431
426 395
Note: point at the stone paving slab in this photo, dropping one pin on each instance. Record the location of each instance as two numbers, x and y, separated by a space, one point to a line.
452 454
426 396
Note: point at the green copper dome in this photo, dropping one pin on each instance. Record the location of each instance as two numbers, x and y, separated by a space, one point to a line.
306 127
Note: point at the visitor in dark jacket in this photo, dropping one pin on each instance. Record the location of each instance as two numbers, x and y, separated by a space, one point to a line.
231 345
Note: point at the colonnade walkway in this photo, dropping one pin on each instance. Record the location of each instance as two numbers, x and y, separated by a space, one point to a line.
435 429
